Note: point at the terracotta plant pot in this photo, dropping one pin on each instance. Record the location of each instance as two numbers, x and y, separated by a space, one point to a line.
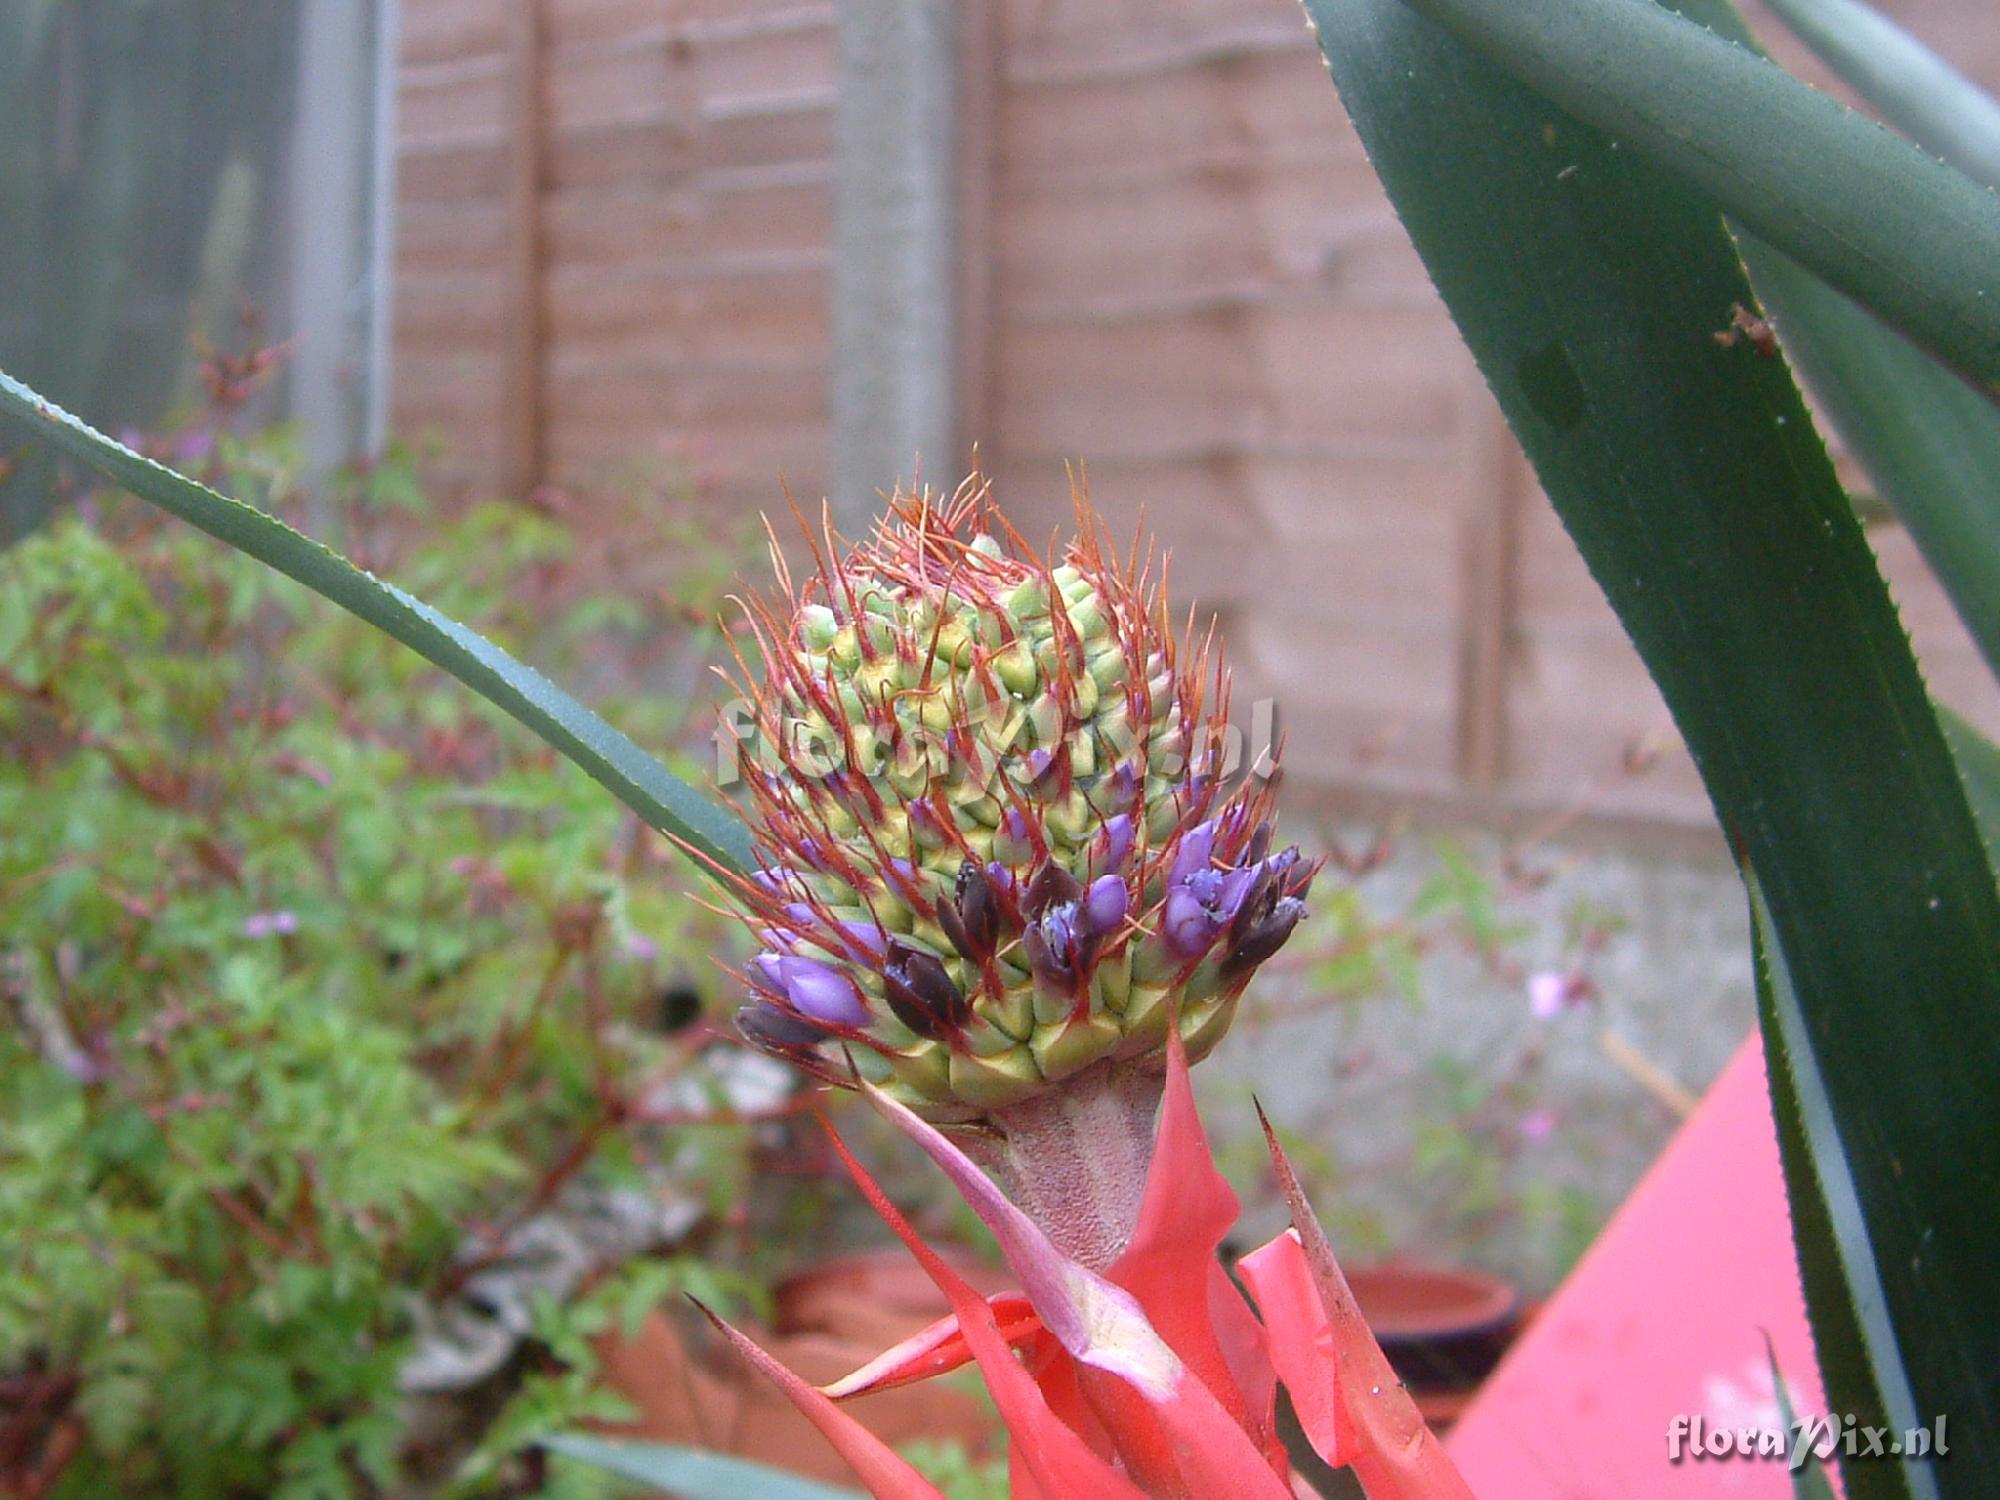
1443 1328
829 1319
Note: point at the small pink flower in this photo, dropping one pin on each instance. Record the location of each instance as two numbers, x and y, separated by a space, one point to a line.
1550 992
1546 993
270 924
1537 1125
641 947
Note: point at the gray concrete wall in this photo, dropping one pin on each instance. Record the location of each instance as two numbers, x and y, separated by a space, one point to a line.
1384 1095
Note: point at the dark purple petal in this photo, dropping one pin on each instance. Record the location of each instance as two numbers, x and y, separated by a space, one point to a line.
1052 883
822 992
971 917
763 974
777 1030
1265 936
946 912
1298 875
921 991
1255 890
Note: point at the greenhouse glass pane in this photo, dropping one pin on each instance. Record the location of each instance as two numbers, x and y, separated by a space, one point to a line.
180 173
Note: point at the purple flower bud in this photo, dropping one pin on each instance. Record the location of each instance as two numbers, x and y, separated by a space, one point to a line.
763 973
1114 844
800 914
921 991
822 992
1260 845
773 1029
1001 876
1196 853
867 941
1104 905
776 879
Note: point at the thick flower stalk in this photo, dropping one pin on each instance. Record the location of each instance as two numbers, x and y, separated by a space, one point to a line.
1153 1377
1000 853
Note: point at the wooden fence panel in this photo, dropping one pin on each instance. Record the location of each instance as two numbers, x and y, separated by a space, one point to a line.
1179 270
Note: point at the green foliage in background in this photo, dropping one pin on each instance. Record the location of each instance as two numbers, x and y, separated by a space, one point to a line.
307 971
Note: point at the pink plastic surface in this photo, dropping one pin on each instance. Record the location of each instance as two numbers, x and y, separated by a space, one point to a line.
1664 1317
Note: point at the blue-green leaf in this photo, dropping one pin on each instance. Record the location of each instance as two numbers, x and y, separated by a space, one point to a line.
693 1473
1917 91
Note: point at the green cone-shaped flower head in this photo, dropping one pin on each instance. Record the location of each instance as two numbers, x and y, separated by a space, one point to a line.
994 846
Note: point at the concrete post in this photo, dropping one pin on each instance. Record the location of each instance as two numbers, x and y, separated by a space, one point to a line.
894 251
337 247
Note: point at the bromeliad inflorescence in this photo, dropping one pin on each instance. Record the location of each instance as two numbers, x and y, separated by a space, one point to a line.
1008 893
989 790
1002 846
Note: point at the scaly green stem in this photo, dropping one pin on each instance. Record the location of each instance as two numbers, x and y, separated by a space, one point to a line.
1075 1157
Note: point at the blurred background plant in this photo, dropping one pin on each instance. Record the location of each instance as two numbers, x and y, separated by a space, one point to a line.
318 985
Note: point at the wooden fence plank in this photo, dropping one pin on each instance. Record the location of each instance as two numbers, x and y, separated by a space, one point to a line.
521 403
